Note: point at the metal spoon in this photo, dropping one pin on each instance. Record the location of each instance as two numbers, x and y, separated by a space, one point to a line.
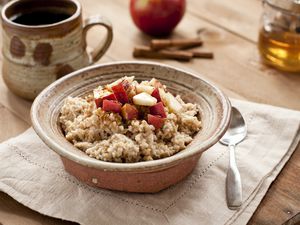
236 132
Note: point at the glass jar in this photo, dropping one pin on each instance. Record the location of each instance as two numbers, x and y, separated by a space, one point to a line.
279 36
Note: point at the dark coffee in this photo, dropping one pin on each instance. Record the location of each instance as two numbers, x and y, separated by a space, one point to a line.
40 18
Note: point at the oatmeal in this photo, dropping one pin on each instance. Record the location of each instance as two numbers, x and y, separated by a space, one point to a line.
127 121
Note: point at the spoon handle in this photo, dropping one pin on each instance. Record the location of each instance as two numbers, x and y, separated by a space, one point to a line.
233 182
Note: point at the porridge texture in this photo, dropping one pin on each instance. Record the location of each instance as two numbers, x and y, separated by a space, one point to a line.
127 121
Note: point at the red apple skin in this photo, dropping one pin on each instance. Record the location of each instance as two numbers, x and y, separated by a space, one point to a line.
158 109
157 17
156 121
129 112
111 106
156 94
120 93
99 101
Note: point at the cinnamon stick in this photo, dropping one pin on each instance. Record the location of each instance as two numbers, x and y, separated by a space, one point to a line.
158 44
147 52
203 55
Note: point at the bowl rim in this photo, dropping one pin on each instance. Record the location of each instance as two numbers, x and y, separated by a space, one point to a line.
138 166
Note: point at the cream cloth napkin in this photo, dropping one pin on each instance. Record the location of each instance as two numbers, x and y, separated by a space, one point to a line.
33 174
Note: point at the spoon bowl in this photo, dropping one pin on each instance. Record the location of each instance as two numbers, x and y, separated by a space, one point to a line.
237 129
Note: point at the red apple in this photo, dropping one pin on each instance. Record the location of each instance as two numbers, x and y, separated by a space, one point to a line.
156 121
111 106
158 109
156 94
157 17
129 112
99 101
120 93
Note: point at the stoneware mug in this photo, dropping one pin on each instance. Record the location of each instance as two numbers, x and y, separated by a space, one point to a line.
43 41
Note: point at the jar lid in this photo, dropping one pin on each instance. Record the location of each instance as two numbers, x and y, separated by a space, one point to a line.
289 6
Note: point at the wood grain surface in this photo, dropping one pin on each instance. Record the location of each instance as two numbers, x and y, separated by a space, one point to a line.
231 29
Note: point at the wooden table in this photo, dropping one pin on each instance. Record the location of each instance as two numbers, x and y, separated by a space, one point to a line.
231 33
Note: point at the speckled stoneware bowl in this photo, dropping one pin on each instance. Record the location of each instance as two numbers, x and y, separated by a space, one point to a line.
150 176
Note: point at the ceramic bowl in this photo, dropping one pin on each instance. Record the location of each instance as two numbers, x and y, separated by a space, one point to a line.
149 176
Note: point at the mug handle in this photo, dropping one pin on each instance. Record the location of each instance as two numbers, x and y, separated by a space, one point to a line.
99 51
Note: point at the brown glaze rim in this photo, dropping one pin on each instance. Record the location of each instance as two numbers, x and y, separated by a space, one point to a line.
49 30
145 166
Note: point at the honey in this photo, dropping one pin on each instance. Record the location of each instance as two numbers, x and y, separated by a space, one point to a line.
280 49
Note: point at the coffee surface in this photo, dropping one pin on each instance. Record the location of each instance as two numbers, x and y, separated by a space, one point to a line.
40 18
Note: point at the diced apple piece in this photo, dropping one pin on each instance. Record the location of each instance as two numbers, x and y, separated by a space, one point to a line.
109 97
156 94
158 109
99 101
155 83
125 84
120 93
109 86
144 99
172 103
100 95
129 79
163 95
156 121
131 92
129 88
129 112
97 93
111 106
144 88
100 87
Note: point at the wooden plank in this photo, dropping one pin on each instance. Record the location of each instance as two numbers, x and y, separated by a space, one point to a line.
11 125
13 213
236 67
15 104
239 17
282 199
293 220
